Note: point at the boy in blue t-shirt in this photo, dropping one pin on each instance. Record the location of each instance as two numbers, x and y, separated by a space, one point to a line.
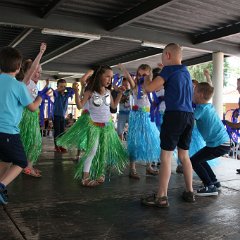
176 129
214 134
14 96
61 96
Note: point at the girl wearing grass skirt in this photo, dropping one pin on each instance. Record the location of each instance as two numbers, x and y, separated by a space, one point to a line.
104 150
143 135
29 126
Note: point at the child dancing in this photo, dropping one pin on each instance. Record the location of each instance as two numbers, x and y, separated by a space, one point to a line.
143 135
14 97
29 126
104 149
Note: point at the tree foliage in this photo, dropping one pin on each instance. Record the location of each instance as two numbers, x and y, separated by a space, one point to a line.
196 71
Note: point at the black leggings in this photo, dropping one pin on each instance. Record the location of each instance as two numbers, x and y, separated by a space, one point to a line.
200 165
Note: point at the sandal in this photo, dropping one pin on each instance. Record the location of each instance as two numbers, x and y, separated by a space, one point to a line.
153 201
31 172
101 179
150 171
87 182
133 174
37 170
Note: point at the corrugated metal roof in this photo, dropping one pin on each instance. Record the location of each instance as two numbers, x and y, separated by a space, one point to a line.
202 26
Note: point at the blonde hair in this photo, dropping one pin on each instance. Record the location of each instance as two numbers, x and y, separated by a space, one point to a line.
206 89
144 67
174 48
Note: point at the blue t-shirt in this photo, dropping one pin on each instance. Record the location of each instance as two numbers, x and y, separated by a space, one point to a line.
178 88
210 126
60 104
13 97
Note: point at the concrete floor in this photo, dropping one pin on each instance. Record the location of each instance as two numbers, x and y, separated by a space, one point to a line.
58 207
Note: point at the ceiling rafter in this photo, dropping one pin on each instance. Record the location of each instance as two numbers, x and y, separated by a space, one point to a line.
130 57
217 33
198 60
22 18
135 13
50 8
69 47
21 37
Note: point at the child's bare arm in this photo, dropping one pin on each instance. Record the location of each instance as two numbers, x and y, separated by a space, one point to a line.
127 75
154 85
84 78
207 75
35 64
114 103
80 102
35 105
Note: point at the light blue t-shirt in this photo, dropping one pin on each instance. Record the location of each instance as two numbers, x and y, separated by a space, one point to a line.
210 126
14 96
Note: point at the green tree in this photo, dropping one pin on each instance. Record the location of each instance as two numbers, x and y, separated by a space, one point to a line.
196 71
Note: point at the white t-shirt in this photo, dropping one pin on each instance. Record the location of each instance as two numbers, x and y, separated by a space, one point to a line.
32 88
99 107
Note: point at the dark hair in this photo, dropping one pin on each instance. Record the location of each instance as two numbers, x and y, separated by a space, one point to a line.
94 83
10 60
156 71
206 89
61 81
26 65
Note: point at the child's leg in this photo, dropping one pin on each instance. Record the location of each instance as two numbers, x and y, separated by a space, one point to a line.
187 168
202 168
197 160
11 174
165 172
4 167
88 161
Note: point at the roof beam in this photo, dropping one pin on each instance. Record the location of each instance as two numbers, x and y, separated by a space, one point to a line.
20 37
135 13
65 67
53 5
217 33
24 18
69 47
129 57
198 60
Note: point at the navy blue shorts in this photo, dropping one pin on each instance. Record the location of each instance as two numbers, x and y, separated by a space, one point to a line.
176 130
11 150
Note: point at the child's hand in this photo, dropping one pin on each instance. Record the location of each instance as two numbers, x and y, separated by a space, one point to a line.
206 72
121 89
75 86
120 66
43 47
47 82
160 65
90 72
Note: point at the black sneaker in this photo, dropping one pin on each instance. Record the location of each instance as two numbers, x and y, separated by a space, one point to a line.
207 191
188 196
153 164
218 186
3 196
238 171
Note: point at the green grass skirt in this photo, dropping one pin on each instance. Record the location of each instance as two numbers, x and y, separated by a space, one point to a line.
30 135
76 136
111 155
